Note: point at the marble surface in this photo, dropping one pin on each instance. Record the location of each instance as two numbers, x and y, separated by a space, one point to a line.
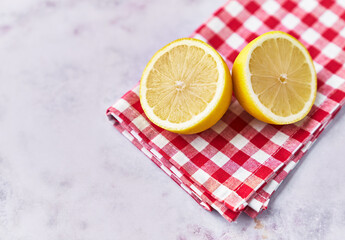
66 173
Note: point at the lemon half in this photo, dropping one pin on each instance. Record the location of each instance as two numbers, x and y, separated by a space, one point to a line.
186 87
274 78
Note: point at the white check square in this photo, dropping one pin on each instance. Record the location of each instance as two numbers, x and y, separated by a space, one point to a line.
234 8
342 32
239 141
289 166
253 23
307 5
257 125
271 186
180 158
255 204
341 3
320 98
222 192
331 50
234 41
140 122
216 24
271 7
199 144
290 21
220 159
160 141
219 126
241 174
310 36
328 18
121 105
261 156
279 138
335 81
201 176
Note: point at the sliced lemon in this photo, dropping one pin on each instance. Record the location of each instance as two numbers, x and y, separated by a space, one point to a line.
274 78
186 87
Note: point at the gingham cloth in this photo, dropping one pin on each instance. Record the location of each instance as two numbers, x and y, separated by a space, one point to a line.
237 165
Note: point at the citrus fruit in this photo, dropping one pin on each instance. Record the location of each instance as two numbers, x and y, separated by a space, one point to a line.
274 78
186 87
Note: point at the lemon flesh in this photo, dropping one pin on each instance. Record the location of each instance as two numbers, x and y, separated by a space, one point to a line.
274 79
186 87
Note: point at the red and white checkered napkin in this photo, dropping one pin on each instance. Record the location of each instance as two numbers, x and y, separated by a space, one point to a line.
237 164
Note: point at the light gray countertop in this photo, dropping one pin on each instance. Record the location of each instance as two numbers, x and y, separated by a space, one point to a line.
66 173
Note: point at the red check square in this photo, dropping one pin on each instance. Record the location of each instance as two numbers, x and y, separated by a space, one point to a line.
199 160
